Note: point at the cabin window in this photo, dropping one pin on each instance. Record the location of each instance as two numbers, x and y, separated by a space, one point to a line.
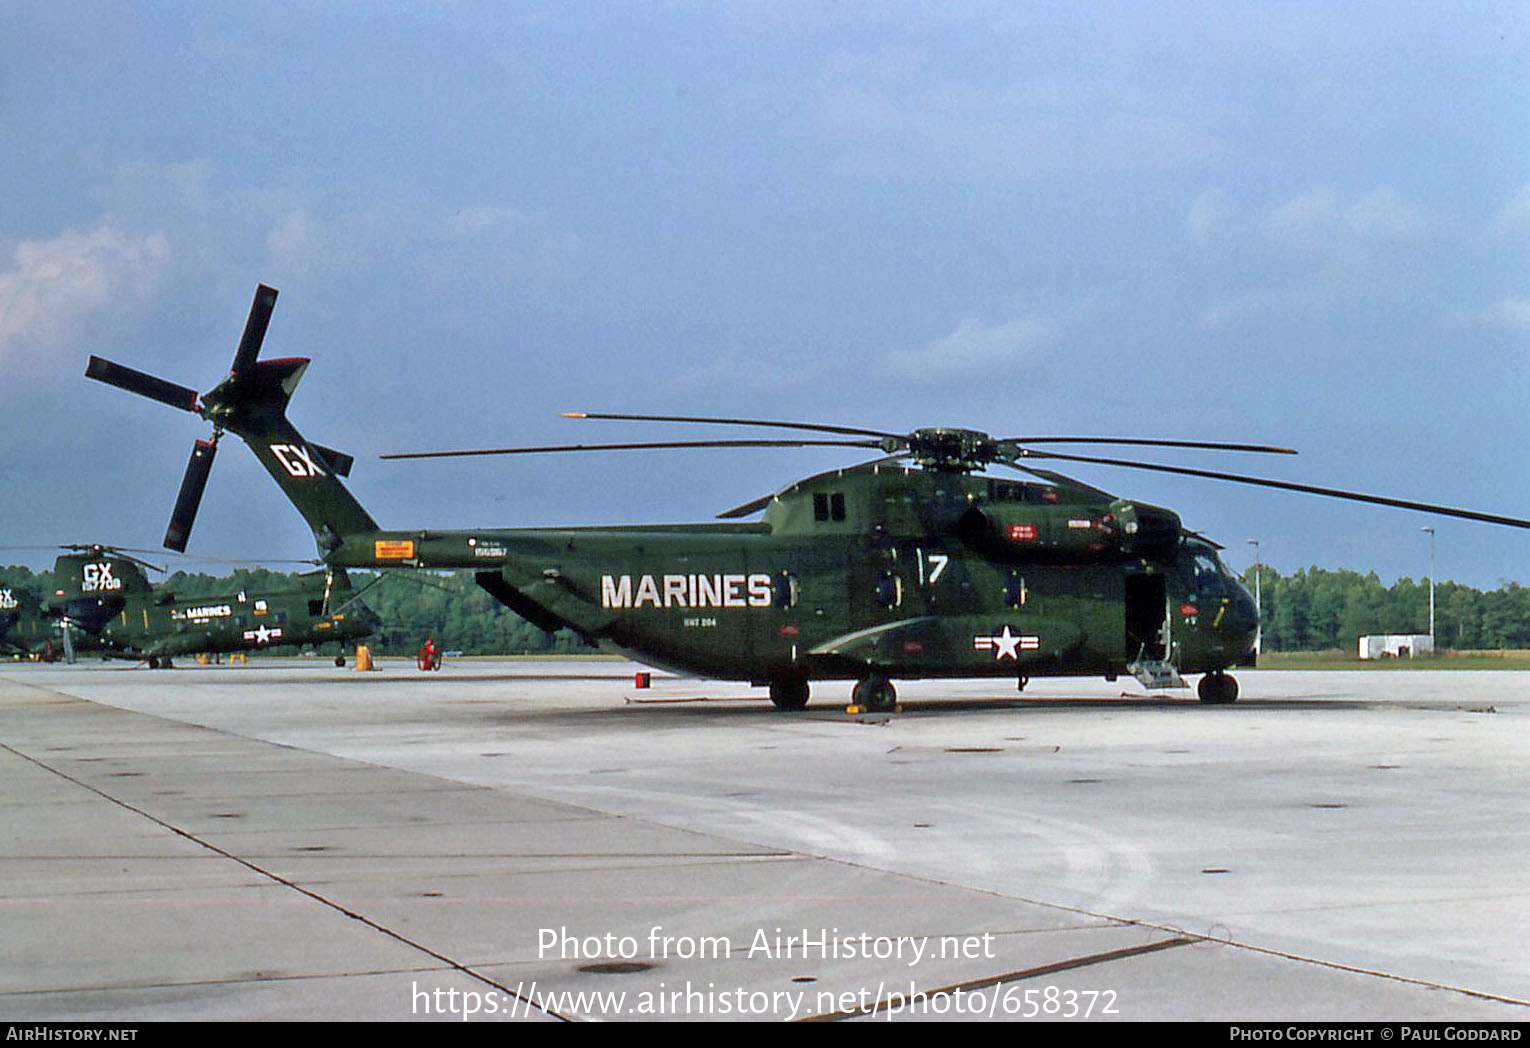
1014 590
316 607
828 505
889 590
784 590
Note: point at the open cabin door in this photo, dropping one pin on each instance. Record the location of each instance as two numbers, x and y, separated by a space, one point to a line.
1146 612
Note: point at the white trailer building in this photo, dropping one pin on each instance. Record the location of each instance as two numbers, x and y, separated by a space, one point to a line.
1396 645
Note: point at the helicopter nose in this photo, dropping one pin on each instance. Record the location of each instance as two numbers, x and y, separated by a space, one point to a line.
1245 615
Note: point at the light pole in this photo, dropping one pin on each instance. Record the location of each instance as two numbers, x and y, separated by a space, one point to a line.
1431 588
1258 613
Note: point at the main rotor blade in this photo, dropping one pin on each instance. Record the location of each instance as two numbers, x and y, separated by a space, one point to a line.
120 552
87 547
811 426
190 497
1284 485
254 329
144 385
641 447
1208 445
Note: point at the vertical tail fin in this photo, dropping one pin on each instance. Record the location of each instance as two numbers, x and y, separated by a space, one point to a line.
254 408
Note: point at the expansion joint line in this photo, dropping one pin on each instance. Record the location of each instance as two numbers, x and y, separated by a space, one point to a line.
284 882
1208 939
1008 977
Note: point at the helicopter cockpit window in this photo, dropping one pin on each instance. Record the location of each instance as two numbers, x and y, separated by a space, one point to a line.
828 505
1209 575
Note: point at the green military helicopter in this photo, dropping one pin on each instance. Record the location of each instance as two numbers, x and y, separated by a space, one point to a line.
104 603
912 565
26 629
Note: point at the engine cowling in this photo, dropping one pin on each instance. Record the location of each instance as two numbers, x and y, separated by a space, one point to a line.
1149 530
1067 531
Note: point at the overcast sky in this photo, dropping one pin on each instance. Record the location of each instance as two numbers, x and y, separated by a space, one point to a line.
1295 223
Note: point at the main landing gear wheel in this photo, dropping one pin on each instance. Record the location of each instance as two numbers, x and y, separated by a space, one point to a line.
790 694
1217 689
876 694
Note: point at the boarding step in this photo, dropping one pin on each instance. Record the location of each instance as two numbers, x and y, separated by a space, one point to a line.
1157 674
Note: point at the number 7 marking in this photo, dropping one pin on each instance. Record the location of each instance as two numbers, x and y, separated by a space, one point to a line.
938 563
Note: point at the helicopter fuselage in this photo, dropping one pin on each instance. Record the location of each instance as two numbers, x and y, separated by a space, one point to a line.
897 572
110 607
153 628
869 573
24 628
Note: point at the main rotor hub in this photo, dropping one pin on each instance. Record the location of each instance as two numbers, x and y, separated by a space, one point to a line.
951 450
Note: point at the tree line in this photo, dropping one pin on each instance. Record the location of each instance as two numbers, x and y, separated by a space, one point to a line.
1314 609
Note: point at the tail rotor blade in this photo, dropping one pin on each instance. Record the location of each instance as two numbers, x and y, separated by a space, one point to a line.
254 329
144 385
186 503
339 462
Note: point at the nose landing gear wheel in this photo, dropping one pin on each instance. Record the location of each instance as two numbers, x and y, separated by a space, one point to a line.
1217 689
